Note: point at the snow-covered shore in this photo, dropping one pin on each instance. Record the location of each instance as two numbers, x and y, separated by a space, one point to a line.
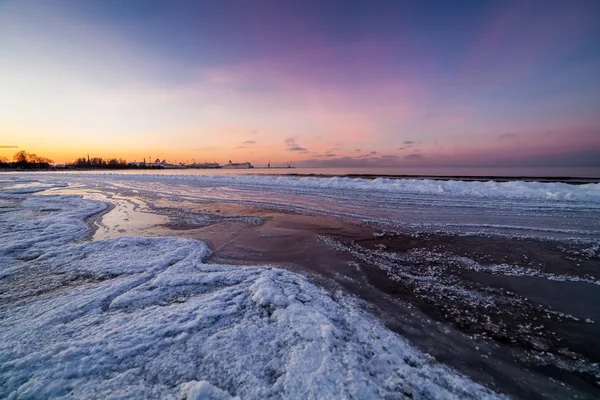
147 318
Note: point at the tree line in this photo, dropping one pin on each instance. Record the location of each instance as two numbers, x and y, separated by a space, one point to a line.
25 160
111 163
99 162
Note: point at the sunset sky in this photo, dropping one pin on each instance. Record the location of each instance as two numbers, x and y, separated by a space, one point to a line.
315 83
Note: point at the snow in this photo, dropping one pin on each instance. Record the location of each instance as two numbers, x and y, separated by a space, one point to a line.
22 186
508 209
552 191
203 390
136 317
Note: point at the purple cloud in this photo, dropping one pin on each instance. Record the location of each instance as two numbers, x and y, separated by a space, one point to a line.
508 136
292 145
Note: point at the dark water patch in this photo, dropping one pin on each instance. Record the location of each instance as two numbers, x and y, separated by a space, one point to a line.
469 320
532 316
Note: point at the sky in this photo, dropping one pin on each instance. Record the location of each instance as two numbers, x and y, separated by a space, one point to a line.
313 83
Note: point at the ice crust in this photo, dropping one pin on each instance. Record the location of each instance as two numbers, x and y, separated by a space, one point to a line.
490 189
147 318
22 186
511 209
203 390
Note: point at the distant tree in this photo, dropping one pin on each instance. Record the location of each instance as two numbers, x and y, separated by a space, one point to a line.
24 159
20 157
81 162
117 163
98 162
37 160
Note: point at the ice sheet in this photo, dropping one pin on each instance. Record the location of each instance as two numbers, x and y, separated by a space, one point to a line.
146 318
490 189
515 209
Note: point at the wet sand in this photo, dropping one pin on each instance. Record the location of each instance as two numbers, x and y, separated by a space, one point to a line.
520 335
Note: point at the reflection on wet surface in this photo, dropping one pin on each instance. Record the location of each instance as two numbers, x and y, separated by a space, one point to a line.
127 219
127 216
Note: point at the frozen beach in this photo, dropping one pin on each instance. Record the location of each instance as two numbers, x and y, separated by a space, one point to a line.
184 286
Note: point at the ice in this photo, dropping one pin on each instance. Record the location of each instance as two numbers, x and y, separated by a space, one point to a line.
139 317
524 190
17 185
512 209
203 390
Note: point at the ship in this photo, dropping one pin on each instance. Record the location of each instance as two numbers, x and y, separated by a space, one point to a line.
244 165
205 165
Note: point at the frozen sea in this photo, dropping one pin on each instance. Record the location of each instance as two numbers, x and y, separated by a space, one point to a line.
201 286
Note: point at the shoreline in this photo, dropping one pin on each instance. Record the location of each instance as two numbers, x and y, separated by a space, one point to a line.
464 178
295 242
514 313
574 180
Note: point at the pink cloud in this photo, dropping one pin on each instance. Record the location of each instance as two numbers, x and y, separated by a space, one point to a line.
352 109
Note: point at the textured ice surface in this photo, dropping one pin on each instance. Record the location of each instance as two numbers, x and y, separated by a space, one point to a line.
525 209
491 189
146 318
18 185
